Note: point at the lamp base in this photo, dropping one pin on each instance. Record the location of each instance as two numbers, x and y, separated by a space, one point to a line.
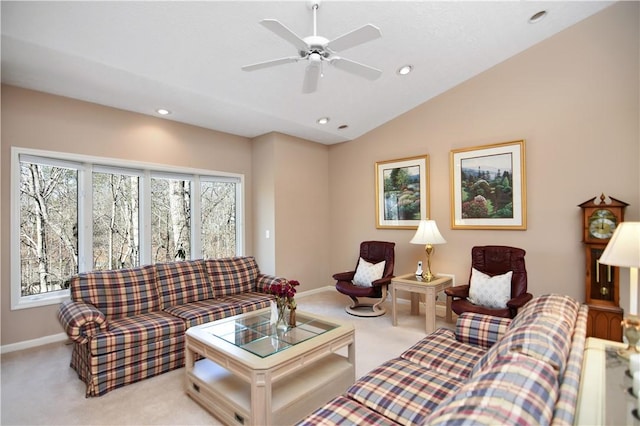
631 326
428 276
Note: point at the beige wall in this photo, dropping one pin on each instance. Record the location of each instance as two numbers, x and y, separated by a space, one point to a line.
264 198
40 121
573 98
302 211
291 202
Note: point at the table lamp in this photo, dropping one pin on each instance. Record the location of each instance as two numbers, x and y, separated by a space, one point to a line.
428 235
623 251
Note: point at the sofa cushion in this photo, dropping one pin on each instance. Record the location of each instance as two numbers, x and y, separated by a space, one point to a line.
480 329
545 339
125 333
517 390
342 411
249 301
232 275
182 282
118 293
440 351
560 306
196 313
403 391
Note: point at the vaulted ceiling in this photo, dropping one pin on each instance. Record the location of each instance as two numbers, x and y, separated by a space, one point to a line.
187 57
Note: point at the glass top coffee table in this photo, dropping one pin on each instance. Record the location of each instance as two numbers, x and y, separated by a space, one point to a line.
245 371
255 333
604 397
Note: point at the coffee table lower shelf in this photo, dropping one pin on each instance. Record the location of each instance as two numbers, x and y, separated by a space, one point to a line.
228 397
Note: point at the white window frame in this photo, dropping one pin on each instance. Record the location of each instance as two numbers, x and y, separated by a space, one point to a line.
86 165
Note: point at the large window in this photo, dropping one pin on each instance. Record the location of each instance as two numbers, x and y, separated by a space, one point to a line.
73 215
115 219
218 218
48 226
170 219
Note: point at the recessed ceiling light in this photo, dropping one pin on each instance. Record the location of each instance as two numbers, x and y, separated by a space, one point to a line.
405 69
163 111
537 17
323 120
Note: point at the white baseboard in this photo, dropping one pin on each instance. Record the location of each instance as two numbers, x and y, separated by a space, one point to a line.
441 308
315 291
26 344
61 337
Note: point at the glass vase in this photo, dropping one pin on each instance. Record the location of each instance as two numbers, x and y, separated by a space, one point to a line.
282 322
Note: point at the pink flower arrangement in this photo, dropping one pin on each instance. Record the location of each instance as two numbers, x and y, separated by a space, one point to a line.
285 291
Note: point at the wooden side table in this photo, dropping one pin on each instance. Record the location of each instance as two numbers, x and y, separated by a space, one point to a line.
416 286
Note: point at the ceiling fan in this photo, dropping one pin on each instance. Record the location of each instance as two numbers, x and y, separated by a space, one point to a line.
317 50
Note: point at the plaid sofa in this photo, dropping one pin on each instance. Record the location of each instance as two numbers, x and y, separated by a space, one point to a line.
128 324
490 371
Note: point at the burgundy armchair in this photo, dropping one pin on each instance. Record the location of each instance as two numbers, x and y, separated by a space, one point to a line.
372 252
494 260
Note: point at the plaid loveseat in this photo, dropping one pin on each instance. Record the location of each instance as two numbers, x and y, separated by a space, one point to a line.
490 371
128 324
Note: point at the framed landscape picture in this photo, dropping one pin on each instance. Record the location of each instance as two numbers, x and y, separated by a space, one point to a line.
488 187
402 192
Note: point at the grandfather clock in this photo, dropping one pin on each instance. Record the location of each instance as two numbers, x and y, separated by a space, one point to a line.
602 281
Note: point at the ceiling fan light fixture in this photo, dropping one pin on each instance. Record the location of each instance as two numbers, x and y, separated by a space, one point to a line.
322 120
163 111
537 17
315 50
405 69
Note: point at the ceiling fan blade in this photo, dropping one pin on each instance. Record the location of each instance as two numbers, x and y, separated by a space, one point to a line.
311 76
271 63
356 68
279 29
358 36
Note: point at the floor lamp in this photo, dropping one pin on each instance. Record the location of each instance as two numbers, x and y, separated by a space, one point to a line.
623 251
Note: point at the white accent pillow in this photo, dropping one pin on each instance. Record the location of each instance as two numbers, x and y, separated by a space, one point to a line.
367 272
492 292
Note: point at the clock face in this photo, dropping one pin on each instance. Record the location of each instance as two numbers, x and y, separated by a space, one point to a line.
602 223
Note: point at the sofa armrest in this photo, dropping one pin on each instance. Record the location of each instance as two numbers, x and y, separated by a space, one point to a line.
480 330
263 282
81 320
459 291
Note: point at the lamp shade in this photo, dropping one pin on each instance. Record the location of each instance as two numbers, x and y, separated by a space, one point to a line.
428 233
624 247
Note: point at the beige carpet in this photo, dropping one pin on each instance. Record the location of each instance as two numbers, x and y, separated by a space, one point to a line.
39 388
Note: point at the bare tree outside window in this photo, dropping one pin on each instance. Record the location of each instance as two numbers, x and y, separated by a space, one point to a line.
115 221
124 232
48 227
218 208
170 219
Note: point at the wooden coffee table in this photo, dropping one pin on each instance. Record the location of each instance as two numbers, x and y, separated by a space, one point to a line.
244 371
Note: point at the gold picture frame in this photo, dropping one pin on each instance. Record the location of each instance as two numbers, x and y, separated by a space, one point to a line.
488 187
402 192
